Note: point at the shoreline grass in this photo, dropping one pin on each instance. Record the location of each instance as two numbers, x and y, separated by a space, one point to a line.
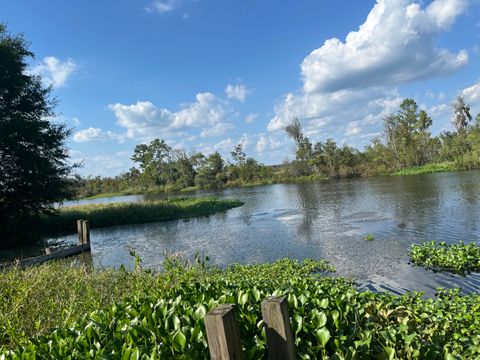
56 310
124 213
428 169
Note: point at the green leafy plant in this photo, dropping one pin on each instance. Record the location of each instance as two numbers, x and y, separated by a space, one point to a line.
369 237
162 316
439 256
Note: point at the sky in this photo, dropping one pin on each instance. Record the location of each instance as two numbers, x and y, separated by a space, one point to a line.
205 75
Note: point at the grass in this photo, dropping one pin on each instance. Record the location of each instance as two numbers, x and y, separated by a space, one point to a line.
438 256
428 169
55 311
112 214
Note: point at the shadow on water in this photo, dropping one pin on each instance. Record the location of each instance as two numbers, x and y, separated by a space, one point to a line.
325 220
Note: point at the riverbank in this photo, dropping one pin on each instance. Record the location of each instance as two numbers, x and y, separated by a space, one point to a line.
141 313
233 184
416 170
128 213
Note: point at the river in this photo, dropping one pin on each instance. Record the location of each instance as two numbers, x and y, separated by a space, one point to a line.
322 220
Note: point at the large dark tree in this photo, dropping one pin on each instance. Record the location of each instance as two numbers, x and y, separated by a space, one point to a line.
33 157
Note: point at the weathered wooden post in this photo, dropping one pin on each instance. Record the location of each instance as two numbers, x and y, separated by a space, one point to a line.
223 334
85 232
80 231
277 328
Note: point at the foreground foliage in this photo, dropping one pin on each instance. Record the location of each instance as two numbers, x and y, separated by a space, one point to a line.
162 317
439 256
112 214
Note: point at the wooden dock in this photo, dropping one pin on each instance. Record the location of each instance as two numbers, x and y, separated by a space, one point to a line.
83 229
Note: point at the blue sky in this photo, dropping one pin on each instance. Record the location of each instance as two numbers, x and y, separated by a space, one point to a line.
208 74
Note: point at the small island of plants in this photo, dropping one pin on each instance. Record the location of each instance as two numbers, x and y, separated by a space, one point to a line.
126 213
439 256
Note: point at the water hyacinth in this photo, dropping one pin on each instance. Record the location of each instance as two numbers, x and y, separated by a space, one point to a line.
439 256
329 318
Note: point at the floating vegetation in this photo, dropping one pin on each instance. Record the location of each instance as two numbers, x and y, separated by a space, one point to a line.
439 256
162 315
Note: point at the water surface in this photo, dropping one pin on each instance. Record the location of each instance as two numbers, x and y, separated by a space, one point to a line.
323 220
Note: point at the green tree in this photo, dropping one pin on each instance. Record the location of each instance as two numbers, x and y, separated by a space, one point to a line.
155 160
407 135
210 172
185 168
34 166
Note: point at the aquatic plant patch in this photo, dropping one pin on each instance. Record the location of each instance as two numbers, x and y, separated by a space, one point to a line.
123 213
458 258
329 318
428 169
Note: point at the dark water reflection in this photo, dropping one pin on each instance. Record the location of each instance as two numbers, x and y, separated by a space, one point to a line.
321 220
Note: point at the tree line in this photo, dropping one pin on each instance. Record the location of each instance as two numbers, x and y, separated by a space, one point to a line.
406 143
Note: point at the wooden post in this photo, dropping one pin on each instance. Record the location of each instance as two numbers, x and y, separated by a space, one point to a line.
223 334
48 250
277 328
80 231
85 232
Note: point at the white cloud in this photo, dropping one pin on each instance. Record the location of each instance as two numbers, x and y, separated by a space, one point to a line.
162 6
224 145
347 86
251 118
216 130
144 121
206 110
53 71
95 134
353 129
396 44
472 95
238 92
267 143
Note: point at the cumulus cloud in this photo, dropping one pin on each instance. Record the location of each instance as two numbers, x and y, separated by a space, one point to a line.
337 108
206 110
143 120
350 86
396 44
472 95
238 92
53 71
95 134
